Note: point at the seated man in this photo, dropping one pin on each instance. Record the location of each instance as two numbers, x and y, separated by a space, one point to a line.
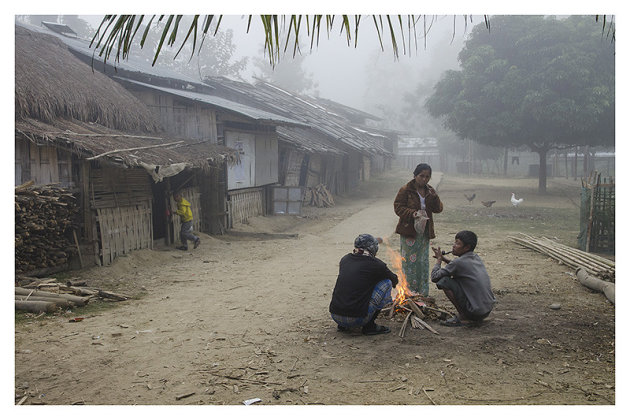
464 280
363 288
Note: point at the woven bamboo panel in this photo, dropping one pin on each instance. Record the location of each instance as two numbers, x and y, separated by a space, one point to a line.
124 229
244 204
112 187
294 168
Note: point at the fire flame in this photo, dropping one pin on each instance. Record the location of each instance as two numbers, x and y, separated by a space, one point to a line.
402 288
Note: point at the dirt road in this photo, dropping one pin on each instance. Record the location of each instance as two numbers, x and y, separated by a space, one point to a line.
245 316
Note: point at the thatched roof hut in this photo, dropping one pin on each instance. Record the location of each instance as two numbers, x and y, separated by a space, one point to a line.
60 100
51 84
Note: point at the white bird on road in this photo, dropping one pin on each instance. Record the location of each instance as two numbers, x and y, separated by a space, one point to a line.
515 201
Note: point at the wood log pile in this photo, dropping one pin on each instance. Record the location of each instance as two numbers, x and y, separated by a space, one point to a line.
414 311
48 295
592 264
318 196
45 217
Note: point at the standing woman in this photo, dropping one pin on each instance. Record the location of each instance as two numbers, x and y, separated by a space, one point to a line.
415 204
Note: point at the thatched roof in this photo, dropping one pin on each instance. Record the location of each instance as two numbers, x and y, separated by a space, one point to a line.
60 102
93 141
51 83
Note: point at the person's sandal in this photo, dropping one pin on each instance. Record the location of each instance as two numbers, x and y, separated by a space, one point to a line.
182 248
197 242
379 329
452 322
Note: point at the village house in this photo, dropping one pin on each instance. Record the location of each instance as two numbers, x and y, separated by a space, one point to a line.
80 130
282 140
331 151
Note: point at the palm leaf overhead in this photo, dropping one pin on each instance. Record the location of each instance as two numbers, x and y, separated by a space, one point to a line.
116 32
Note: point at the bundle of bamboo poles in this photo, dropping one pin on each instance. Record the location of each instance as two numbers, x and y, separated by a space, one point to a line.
593 264
48 295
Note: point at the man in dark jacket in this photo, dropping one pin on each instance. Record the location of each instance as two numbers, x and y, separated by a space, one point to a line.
364 286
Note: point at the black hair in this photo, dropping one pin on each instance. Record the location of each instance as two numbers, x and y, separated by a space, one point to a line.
422 167
468 238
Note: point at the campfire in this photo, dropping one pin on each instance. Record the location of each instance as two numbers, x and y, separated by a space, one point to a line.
408 306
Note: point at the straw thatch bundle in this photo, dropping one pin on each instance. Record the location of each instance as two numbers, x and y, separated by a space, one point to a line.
59 100
51 83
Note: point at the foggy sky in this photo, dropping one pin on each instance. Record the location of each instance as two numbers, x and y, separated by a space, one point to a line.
340 70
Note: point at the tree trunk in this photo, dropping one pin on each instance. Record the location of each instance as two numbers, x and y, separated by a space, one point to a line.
542 171
586 158
574 166
505 161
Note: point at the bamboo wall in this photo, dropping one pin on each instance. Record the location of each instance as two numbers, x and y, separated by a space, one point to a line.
123 229
246 203
42 164
213 188
122 200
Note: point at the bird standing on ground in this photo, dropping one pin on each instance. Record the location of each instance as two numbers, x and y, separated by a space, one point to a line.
488 203
470 198
515 201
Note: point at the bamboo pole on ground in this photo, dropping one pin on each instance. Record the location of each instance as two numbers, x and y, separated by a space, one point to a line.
35 306
78 300
60 302
574 258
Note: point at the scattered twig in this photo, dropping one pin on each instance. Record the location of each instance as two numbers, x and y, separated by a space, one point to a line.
527 397
182 396
430 399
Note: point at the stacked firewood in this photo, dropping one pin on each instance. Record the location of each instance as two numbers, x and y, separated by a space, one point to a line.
45 219
319 196
48 295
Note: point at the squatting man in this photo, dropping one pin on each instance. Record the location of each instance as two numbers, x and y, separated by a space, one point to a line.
364 287
464 280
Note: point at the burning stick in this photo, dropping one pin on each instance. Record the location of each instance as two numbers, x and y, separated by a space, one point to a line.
408 301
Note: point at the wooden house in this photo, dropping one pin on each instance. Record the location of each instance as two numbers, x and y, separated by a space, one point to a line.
329 151
80 129
187 108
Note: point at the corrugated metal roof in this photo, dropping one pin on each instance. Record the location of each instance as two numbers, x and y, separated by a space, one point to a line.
280 101
308 140
244 110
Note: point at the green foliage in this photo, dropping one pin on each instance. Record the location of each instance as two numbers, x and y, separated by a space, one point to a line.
531 81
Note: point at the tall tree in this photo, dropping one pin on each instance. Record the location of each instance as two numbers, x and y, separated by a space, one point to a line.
78 25
288 73
534 81
216 59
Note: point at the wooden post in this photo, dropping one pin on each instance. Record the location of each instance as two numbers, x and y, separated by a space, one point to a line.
590 215
76 243
167 192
